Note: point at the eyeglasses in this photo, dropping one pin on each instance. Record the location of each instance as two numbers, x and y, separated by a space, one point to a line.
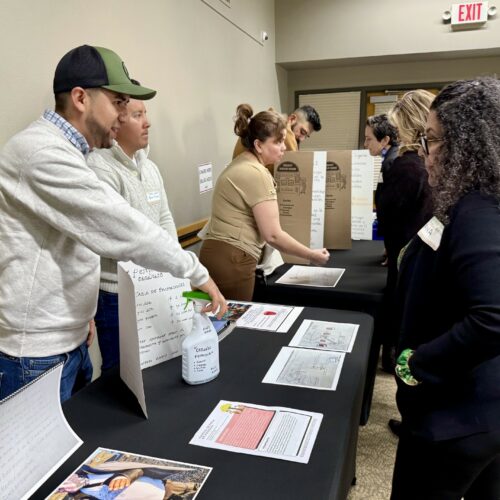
424 142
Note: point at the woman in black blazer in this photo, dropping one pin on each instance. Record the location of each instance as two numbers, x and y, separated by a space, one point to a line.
404 203
381 139
448 369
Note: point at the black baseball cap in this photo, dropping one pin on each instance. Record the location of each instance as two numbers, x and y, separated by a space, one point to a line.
92 67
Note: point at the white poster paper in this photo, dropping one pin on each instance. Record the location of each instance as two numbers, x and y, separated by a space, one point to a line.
325 335
318 199
35 438
205 177
362 195
269 317
311 276
267 431
306 368
153 321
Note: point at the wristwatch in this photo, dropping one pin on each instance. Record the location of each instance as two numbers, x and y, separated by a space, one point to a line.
403 370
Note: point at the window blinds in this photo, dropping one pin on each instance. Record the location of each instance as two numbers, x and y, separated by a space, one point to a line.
339 113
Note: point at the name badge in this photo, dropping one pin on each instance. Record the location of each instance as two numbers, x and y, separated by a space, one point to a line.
153 196
432 233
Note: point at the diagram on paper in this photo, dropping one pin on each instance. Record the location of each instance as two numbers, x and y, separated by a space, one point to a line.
306 368
325 335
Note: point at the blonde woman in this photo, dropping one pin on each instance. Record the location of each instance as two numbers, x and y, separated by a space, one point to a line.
405 202
245 212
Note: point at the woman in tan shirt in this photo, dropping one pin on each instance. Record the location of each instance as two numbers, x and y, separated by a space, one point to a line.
245 212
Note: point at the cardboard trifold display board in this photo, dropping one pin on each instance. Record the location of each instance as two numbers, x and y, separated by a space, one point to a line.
338 200
314 197
301 180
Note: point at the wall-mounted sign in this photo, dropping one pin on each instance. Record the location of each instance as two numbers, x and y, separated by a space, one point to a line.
468 15
205 177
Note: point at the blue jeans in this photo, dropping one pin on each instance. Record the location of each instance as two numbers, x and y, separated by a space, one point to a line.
106 322
16 372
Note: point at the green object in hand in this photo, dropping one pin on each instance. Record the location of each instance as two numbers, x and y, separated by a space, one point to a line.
403 370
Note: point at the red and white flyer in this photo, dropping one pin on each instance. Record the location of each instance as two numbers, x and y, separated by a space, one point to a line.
267 431
269 317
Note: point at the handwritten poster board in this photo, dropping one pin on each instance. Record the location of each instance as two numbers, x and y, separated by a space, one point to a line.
153 321
318 199
362 195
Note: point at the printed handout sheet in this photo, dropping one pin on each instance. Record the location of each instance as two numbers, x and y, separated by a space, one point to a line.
306 368
311 276
325 335
269 317
274 432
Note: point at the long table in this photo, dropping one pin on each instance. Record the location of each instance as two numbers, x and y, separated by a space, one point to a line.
106 414
361 288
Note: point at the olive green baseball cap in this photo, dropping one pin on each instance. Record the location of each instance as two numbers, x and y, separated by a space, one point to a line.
93 67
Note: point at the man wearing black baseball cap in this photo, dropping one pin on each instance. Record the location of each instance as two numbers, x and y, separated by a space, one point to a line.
92 67
58 218
97 75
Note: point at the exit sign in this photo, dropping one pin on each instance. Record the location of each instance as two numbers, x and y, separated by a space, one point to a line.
469 15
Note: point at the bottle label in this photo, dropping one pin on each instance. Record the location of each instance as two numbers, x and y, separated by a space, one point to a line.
201 357
205 360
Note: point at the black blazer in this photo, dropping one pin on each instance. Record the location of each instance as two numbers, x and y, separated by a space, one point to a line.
387 162
449 301
404 201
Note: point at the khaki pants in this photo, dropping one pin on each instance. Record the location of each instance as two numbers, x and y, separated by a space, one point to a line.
232 269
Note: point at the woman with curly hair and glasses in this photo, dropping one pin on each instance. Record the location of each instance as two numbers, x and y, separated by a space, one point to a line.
448 369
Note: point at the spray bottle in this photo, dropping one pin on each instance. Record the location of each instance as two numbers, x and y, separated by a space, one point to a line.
200 349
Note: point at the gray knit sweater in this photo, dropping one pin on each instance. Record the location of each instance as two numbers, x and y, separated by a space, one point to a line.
56 218
141 184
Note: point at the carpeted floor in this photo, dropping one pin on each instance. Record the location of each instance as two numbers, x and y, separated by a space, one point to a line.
377 445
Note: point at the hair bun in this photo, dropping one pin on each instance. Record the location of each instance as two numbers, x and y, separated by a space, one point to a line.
244 113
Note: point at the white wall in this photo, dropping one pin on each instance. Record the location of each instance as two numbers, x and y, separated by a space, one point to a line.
383 74
321 30
201 65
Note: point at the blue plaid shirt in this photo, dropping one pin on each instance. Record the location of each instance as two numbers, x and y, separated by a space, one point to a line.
68 130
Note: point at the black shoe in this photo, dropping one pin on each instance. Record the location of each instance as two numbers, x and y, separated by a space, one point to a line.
395 426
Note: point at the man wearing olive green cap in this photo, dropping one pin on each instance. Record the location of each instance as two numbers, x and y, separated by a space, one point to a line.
58 218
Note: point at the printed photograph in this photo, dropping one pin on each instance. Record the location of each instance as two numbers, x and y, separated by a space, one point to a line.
110 474
235 310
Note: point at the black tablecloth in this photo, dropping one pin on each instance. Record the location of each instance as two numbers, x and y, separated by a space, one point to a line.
360 289
106 414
